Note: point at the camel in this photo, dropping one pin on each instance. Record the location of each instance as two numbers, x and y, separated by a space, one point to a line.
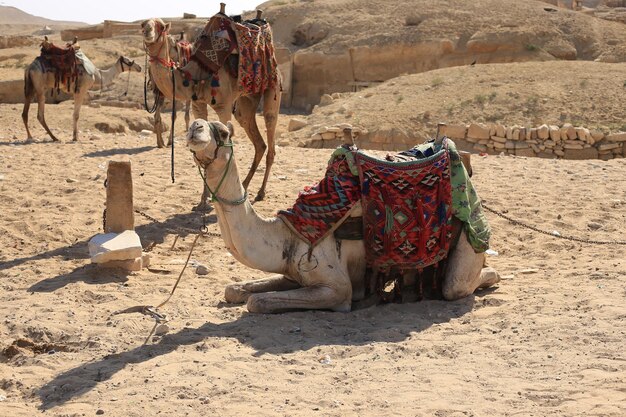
227 95
329 278
37 82
175 55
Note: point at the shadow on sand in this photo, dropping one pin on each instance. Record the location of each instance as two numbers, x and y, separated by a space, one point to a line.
120 151
387 324
151 233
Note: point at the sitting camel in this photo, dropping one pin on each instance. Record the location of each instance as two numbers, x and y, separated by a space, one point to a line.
326 278
37 81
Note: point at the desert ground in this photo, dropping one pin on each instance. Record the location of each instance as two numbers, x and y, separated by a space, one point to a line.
548 340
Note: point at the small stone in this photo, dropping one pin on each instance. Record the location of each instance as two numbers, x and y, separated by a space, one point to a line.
161 329
202 270
594 225
326 99
528 271
71 180
1 177
100 412
296 124
325 360
146 132
282 177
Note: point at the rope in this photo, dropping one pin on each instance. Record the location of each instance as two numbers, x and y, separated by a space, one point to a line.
553 234
157 93
173 119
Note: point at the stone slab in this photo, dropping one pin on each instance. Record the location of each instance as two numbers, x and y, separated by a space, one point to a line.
115 246
120 214
580 154
616 137
136 264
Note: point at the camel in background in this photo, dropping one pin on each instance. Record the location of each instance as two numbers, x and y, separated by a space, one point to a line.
157 43
175 52
37 82
325 278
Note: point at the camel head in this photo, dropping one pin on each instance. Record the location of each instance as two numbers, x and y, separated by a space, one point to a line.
128 64
152 29
205 139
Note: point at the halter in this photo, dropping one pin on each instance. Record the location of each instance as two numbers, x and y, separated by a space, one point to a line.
220 144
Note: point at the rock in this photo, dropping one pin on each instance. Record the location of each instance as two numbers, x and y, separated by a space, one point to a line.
608 146
555 133
573 146
111 127
478 131
543 132
326 99
100 412
596 135
594 225
616 137
583 134
500 131
328 135
509 133
95 137
161 329
115 246
580 154
128 264
202 270
146 132
528 271
296 124
454 131
71 180
498 139
525 152
509 144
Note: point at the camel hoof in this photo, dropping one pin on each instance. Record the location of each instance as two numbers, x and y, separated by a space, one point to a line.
235 294
260 196
257 304
55 139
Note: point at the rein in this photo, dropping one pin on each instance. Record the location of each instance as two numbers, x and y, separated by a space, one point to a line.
214 196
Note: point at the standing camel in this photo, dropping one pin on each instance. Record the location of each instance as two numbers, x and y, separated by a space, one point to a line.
222 101
175 52
37 82
326 277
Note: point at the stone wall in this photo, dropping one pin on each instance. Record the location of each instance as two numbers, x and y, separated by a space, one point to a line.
567 141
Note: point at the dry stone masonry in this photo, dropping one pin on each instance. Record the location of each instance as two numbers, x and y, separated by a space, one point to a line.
545 141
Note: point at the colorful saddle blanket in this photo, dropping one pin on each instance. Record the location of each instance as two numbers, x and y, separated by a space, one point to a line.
257 68
407 203
62 62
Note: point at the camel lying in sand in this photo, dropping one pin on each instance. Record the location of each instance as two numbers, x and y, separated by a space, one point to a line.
328 278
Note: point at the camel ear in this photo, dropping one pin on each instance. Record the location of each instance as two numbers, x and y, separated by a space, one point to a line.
231 129
168 25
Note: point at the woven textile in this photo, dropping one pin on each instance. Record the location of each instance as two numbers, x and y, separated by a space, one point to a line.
216 41
320 209
407 210
62 62
258 69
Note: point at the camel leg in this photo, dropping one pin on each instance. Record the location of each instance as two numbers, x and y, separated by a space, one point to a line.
78 101
187 107
200 110
271 107
158 124
246 116
330 289
25 117
465 271
239 293
41 105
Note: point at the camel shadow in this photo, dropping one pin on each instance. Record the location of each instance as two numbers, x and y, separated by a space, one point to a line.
150 234
30 142
267 334
119 151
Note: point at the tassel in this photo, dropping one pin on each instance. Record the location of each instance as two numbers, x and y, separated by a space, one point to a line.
213 100
215 81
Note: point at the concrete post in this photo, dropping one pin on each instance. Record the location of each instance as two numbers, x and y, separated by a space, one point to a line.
120 214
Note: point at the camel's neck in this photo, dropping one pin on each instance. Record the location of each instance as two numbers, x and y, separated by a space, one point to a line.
104 78
254 241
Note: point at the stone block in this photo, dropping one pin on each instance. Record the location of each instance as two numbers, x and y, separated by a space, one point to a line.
454 131
115 246
492 130
547 154
522 145
296 124
543 132
573 146
335 129
533 134
478 131
579 154
550 143
616 137
136 264
525 152
522 133
326 99
606 157
515 134
509 133
498 139
328 136
608 146
500 131
316 136
120 213
499 146
509 144
596 135
555 133
559 152
583 134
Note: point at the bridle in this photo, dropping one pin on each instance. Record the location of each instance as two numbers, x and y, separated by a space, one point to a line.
204 165
123 62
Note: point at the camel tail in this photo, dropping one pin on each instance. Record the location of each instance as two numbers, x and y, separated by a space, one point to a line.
29 88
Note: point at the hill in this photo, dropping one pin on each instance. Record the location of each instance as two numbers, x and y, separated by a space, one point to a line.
13 16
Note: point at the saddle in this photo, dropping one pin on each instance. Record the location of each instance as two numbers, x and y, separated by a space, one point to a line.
62 62
245 49
415 205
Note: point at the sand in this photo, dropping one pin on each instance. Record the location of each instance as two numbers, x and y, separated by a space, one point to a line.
547 340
